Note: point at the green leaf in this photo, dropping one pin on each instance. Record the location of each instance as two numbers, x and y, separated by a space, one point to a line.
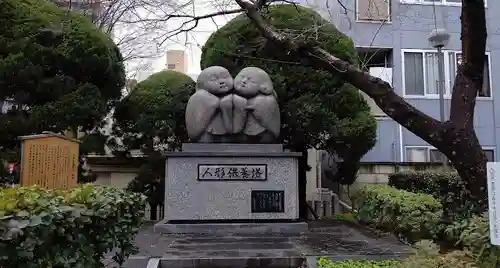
12 233
22 214
35 220
79 226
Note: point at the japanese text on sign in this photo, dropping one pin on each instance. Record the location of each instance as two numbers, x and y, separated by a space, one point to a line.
268 201
232 172
493 195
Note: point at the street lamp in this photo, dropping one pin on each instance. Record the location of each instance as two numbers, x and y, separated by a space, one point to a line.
439 38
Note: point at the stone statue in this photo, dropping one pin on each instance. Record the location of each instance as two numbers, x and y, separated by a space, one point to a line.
263 114
247 113
204 121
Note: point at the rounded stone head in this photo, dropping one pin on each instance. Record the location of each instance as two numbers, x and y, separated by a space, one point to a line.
215 79
252 81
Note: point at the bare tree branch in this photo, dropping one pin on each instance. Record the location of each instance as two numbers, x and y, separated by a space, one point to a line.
194 21
124 21
192 18
380 91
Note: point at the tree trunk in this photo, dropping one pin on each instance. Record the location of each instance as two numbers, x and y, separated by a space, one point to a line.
462 147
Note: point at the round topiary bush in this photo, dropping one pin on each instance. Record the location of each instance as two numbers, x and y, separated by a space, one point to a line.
48 53
317 108
155 108
58 64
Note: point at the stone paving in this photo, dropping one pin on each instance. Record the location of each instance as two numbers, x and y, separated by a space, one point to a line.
335 240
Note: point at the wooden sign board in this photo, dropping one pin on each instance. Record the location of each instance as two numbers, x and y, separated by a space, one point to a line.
49 160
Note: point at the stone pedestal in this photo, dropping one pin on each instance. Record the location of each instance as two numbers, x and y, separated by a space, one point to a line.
244 188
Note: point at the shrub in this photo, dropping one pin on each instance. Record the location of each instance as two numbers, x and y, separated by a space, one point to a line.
426 255
347 216
415 216
326 263
447 187
154 109
474 235
57 63
75 228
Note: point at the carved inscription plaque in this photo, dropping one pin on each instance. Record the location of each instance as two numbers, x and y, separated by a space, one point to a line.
268 201
230 172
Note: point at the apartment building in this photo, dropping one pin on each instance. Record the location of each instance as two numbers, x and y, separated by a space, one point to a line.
177 60
391 37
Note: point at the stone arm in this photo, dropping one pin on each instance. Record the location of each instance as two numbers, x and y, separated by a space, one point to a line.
266 111
200 111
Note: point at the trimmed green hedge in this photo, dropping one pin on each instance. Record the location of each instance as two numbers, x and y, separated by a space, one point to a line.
326 263
447 187
415 216
155 108
75 228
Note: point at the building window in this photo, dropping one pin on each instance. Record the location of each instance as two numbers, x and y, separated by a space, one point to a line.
421 75
417 154
431 155
373 10
171 66
455 59
490 154
423 154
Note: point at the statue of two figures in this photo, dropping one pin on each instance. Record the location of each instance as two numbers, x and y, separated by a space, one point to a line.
240 110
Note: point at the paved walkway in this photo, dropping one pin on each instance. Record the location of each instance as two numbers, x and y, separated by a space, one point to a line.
335 240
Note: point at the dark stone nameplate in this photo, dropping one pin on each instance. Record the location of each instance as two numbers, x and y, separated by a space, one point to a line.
268 201
232 172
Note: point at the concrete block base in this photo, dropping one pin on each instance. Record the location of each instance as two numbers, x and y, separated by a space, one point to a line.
225 228
219 262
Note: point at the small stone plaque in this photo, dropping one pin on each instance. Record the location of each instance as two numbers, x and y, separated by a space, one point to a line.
268 201
230 172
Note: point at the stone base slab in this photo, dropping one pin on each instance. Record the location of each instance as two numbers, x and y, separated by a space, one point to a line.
221 262
168 227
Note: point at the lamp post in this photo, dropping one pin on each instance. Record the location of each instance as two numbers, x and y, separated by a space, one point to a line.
439 38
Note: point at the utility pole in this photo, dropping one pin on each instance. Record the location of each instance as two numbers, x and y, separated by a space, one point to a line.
438 39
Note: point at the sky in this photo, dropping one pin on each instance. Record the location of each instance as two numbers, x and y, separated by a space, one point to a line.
191 42
194 41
